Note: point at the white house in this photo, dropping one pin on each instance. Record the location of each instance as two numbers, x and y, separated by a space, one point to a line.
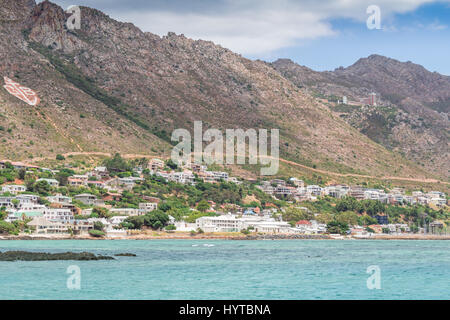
27 198
116 220
32 207
147 207
59 199
156 165
6 202
220 175
13 188
86 198
314 190
128 182
59 215
226 223
44 226
438 201
124 211
52 182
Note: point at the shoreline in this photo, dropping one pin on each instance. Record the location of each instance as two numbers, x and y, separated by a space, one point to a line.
182 236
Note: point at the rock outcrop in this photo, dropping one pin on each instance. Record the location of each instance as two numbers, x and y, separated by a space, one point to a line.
43 256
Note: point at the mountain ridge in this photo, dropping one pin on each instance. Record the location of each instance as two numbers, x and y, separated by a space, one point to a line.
134 88
414 104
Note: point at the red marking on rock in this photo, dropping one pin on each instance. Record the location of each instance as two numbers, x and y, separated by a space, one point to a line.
23 93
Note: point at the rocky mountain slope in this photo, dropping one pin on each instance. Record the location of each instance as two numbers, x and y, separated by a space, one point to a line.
109 86
413 104
67 119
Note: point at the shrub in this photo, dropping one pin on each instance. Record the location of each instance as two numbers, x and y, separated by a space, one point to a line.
96 233
101 212
156 219
8 228
98 226
134 222
203 206
337 227
369 229
245 231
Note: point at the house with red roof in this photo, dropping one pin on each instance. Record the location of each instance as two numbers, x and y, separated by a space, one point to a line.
303 223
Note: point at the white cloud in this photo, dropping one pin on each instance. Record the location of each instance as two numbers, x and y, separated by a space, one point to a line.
244 32
437 26
251 27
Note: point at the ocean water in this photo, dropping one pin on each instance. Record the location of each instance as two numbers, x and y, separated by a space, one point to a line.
217 269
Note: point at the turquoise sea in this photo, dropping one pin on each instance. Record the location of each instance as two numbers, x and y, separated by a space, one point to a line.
216 269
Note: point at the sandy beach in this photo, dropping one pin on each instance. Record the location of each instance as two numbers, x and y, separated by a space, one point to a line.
224 236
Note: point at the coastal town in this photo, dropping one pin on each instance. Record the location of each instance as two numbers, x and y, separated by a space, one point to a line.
120 199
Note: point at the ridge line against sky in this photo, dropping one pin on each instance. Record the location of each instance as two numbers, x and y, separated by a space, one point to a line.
322 35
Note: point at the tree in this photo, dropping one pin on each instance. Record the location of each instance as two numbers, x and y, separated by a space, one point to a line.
156 219
143 162
63 175
98 226
9 166
164 207
22 173
347 217
203 206
171 227
15 203
337 227
101 212
172 165
3 213
117 164
367 220
372 207
7 228
348 204
369 229
292 214
60 157
324 218
42 187
134 222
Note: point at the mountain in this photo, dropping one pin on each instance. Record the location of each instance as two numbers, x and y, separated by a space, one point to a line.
68 118
111 87
413 104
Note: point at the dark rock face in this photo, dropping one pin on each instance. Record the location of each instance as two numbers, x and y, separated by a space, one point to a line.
125 255
44 256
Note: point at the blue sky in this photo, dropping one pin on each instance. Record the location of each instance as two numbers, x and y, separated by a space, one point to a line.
322 35
421 36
